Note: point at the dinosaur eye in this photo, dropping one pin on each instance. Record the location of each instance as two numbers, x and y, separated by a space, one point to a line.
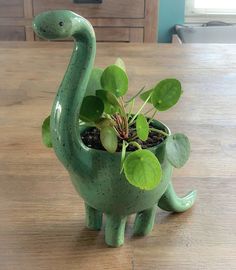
61 23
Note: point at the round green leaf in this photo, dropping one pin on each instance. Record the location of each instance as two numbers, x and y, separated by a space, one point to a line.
114 79
142 169
177 149
111 104
166 94
142 127
94 81
46 135
120 63
144 96
91 109
109 139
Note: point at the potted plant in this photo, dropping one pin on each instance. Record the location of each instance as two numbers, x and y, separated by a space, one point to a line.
119 161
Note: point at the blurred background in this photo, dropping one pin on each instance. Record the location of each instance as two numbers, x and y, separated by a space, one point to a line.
164 21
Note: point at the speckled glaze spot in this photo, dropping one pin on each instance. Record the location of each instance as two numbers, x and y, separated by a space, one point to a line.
95 174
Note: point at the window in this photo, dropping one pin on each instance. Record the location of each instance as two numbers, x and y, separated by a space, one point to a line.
197 7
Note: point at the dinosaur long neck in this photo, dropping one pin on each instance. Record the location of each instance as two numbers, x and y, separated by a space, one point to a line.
64 116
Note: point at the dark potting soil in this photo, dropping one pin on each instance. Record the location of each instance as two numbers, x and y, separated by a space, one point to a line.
91 138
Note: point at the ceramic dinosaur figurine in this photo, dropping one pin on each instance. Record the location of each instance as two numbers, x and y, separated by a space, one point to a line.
95 173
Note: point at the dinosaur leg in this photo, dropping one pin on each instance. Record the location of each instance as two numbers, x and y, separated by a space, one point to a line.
93 218
114 230
144 221
171 202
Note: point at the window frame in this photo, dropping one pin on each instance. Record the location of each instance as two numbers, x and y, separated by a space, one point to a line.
194 16
191 10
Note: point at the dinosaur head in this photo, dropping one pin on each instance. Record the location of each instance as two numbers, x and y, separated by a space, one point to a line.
53 25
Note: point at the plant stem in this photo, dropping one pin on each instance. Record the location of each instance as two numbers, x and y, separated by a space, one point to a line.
133 138
124 118
136 145
119 121
126 127
81 122
150 120
87 124
123 153
138 93
122 105
159 131
117 133
107 115
137 113
148 111
131 108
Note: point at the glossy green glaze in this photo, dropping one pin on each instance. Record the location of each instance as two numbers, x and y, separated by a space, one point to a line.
96 174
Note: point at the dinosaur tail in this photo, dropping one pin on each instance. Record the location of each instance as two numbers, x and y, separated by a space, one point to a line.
171 202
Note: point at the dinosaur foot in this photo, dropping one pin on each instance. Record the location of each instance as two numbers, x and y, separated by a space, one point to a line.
93 218
144 221
114 227
114 230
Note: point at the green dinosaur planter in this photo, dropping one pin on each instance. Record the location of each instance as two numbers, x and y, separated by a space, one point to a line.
94 173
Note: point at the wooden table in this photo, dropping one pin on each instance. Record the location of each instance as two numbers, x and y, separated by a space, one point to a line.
41 215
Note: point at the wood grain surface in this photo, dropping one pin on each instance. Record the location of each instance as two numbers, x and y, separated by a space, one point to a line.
41 215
